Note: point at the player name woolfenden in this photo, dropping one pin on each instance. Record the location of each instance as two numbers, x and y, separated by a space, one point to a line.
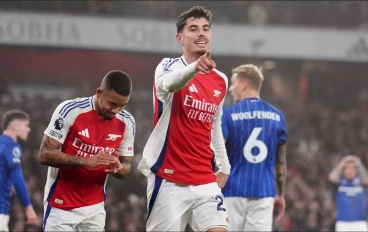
255 115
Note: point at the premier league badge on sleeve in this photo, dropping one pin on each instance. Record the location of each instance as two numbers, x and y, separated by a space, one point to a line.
16 155
59 123
16 152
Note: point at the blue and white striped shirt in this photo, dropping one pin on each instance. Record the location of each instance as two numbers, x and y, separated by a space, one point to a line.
252 129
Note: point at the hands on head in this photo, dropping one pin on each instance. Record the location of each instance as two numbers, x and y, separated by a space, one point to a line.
353 158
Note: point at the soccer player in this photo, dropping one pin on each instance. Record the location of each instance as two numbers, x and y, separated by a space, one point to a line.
255 137
177 159
15 125
81 145
350 176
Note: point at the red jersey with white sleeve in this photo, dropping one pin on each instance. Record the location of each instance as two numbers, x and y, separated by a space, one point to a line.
187 137
77 125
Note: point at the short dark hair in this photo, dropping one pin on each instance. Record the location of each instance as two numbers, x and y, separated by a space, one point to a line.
196 12
11 115
118 81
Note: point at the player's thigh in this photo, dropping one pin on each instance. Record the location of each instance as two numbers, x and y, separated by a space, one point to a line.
60 220
260 214
95 223
4 223
95 220
210 212
236 208
168 205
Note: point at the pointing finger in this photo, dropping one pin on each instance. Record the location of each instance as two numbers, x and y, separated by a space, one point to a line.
208 54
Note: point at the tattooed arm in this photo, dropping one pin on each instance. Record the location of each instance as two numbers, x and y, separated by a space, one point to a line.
126 162
51 155
281 169
281 172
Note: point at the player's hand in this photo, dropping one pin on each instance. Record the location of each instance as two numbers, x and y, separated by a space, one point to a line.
280 205
356 159
31 215
350 158
204 63
115 167
221 178
101 159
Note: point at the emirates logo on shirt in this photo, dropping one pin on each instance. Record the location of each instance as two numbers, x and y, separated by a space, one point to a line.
200 109
88 150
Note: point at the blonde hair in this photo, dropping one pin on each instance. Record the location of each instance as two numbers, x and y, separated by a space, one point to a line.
251 73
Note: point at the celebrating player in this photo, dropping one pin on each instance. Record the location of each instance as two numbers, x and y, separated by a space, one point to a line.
15 125
177 159
81 146
350 175
255 136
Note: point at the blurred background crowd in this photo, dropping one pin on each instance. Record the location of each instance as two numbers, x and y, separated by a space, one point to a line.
325 102
334 14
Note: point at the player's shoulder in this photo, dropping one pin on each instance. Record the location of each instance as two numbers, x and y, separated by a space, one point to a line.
9 145
126 117
6 141
234 108
76 105
223 75
228 108
171 63
273 108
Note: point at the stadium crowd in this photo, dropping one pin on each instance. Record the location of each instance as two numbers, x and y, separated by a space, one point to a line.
322 128
333 14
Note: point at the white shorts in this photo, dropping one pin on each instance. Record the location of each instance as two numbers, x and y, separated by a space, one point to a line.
250 214
88 218
172 206
4 221
351 226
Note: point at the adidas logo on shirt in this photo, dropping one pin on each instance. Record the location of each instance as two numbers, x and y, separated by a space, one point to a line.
84 133
193 89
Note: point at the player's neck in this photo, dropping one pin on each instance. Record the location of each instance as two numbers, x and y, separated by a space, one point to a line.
10 134
252 94
190 58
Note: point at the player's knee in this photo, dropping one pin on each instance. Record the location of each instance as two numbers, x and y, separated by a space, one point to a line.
217 229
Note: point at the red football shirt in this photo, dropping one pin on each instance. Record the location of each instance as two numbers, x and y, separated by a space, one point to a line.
178 149
76 124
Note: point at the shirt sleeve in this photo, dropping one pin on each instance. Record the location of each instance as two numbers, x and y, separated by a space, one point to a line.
225 124
218 143
282 134
169 80
61 121
13 154
126 147
20 186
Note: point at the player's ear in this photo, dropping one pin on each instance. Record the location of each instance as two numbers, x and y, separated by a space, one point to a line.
244 85
179 38
99 92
